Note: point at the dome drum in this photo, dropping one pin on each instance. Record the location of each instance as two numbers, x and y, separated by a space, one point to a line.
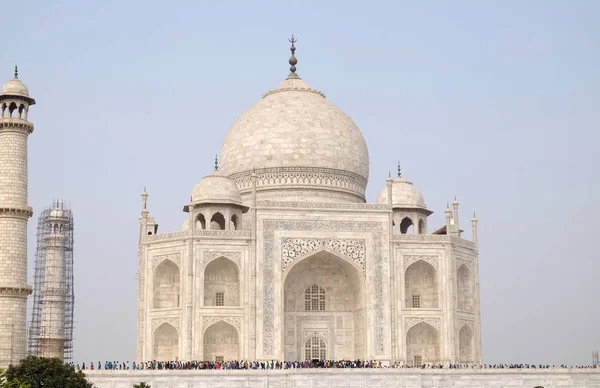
303 182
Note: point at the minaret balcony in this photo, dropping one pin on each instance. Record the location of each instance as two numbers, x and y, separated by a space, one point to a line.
15 122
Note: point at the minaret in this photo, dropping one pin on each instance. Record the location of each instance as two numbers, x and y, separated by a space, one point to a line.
53 293
14 214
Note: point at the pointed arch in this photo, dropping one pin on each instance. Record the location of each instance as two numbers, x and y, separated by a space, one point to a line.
405 225
200 221
465 288
166 285
234 225
217 221
421 286
465 347
333 285
221 283
13 110
422 345
165 343
221 340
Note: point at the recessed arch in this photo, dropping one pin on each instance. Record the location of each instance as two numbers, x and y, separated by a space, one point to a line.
421 288
166 285
221 283
465 288
165 343
221 339
340 306
422 345
323 250
217 221
465 347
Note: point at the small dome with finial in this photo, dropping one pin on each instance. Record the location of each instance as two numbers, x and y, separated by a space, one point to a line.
404 194
216 188
16 88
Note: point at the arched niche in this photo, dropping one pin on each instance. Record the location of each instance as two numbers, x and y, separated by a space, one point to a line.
221 340
421 286
221 283
217 222
422 345
465 288
167 286
165 343
465 345
335 290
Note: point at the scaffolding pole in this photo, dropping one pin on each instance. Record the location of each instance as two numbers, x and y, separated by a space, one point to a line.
51 326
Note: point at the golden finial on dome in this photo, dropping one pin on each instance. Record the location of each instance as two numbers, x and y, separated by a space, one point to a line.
216 162
16 72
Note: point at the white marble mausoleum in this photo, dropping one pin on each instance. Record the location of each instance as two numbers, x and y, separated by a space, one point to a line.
280 256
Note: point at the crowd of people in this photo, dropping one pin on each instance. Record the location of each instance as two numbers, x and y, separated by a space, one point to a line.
245 365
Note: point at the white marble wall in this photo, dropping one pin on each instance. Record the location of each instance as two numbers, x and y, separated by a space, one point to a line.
350 378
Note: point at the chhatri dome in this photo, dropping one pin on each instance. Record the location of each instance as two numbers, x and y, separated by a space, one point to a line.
404 194
301 145
16 88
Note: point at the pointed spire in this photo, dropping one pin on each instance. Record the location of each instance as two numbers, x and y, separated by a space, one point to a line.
293 61
399 170
16 72
216 162
144 200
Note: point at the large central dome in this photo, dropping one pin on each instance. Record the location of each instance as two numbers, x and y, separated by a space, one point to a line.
301 146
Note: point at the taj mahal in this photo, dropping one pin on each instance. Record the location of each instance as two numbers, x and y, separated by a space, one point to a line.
280 257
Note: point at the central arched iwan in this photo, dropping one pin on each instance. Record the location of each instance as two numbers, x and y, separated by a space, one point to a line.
323 296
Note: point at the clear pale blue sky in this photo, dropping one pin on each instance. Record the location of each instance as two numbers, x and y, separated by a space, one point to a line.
496 102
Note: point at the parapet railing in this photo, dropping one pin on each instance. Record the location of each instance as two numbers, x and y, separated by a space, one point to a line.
243 234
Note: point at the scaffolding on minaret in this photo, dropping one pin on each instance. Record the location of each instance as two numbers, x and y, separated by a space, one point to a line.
51 325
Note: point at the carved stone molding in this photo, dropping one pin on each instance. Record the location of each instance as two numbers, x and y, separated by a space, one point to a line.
408 260
235 321
460 262
224 234
421 237
462 322
412 321
174 257
173 321
270 226
324 205
208 256
293 248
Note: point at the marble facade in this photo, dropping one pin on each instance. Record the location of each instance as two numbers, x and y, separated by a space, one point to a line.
281 257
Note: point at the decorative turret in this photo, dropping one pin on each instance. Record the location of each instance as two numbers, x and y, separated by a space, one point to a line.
216 202
407 203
